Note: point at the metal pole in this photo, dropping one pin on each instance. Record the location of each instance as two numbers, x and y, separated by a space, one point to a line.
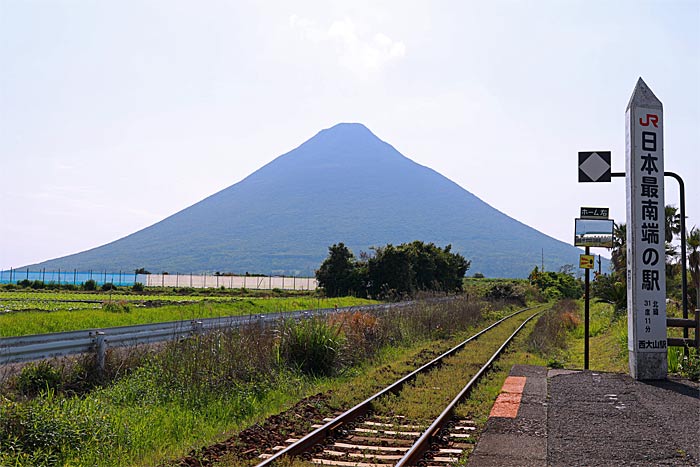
586 345
684 270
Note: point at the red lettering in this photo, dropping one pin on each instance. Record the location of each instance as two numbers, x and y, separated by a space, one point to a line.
651 118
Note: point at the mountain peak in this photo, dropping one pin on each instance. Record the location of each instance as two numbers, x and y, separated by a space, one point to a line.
347 127
348 132
344 144
344 184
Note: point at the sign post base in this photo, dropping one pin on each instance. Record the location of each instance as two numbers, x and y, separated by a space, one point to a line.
647 366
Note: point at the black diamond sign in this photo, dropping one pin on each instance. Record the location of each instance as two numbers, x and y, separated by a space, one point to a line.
594 166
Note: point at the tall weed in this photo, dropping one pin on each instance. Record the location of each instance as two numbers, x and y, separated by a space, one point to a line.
548 337
313 346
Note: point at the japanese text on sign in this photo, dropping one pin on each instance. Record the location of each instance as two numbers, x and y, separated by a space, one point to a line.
646 253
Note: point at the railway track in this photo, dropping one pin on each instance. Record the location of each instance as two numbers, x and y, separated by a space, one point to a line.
375 433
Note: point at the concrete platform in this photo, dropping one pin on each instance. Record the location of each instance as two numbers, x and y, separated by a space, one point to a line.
584 418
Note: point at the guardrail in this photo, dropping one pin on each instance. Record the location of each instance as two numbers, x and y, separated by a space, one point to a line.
41 346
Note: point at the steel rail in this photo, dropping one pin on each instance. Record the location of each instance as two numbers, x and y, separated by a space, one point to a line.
420 447
318 435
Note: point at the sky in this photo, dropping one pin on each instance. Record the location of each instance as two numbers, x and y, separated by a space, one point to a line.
117 114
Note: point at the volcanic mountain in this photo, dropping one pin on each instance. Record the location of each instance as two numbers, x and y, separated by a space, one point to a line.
342 185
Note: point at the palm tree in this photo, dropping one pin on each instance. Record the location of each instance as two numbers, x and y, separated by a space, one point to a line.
673 223
693 243
619 252
672 229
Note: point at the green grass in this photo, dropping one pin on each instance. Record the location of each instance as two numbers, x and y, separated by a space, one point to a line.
135 423
607 345
96 315
428 395
193 393
482 397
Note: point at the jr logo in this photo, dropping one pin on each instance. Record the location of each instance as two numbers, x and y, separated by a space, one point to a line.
651 118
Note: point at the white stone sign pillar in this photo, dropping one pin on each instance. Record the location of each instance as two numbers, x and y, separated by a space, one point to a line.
646 272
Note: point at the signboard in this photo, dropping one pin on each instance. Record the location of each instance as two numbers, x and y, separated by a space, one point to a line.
646 273
593 233
587 261
594 213
594 166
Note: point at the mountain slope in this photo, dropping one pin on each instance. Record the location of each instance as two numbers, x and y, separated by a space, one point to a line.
344 184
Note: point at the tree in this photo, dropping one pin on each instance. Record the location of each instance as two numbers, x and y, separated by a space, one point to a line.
673 223
435 268
619 252
390 272
338 273
556 285
606 288
693 244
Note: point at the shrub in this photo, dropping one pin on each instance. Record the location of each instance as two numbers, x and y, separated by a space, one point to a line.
361 332
90 284
108 286
120 306
690 365
549 334
24 283
37 377
137 287
311 346
505 292
552 294
566 285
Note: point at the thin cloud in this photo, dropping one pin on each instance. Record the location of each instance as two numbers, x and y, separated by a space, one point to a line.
356 52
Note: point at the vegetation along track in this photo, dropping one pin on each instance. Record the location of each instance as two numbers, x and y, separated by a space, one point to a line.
410 422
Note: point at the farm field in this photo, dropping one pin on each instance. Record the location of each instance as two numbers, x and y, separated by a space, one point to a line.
37 312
